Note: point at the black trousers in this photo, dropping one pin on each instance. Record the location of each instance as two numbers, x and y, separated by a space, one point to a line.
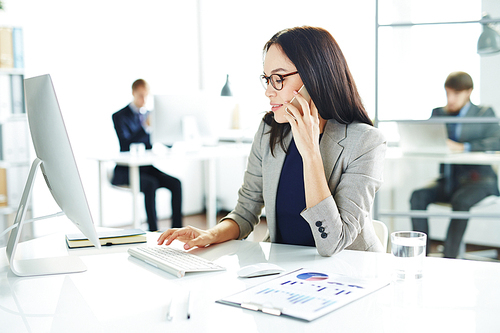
152 179
461 199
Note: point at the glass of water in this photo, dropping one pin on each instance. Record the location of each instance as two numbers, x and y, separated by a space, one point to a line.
408 250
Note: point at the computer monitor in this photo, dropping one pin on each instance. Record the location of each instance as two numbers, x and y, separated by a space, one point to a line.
423 137
196 116
57 163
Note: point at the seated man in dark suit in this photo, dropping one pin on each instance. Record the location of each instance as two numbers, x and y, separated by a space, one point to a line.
460 185
131 125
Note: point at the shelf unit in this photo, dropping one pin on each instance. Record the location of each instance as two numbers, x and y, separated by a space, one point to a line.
14 134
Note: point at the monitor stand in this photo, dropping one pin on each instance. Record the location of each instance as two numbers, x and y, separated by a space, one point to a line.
38 266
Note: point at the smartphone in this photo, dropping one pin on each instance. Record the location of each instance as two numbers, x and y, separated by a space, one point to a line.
295 102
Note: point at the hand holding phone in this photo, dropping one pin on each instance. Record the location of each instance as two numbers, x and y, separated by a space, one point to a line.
303 92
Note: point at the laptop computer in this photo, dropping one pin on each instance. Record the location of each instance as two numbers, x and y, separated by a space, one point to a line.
423 138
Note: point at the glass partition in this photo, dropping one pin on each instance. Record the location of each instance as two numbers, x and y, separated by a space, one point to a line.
419 43
428 11
414 63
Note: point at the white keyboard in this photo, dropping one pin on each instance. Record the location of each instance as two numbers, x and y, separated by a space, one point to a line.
172 260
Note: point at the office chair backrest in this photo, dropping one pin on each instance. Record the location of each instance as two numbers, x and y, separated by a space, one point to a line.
109 176
382 233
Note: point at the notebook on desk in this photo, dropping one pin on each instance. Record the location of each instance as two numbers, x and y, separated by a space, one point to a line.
423 138
107 238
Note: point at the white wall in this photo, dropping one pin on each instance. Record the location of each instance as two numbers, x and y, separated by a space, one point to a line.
233 35
96 49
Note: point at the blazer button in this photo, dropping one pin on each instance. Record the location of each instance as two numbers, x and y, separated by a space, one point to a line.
324 235
318 223
321 229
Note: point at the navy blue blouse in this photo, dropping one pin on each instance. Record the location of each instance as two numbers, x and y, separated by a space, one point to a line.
291 201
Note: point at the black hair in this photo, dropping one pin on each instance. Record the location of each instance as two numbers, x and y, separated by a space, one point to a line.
325 74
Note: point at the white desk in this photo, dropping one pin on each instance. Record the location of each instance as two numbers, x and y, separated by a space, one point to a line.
208 155
473 158
119 293
452 158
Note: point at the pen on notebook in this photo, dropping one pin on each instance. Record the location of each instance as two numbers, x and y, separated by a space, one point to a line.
189 305
169 317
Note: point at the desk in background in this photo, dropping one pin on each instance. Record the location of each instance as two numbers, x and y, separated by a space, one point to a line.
207 155
119 293
452 158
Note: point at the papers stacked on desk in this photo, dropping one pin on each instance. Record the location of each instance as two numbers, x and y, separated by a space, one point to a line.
304 294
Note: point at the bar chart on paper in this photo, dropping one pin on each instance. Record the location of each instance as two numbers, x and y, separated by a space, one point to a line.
304 294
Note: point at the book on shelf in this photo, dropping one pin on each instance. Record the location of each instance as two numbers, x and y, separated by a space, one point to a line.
11 74
17 92
11 95
17 47
5 96
14 136
3 188
16 178
6 50
107 238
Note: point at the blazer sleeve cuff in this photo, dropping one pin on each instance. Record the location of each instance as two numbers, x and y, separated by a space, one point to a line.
317 213
320 219
245 226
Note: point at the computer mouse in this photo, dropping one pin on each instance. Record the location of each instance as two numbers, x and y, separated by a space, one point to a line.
260 269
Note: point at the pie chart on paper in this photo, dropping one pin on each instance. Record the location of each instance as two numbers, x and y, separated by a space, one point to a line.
311 276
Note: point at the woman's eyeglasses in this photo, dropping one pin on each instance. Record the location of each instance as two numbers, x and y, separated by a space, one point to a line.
276 80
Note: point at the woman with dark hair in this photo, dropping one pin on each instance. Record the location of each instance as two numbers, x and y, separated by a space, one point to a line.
315 170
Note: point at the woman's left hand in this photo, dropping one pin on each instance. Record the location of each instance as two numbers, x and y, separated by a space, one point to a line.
305 127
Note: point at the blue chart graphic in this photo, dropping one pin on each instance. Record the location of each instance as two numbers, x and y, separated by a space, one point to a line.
297 298
311 276
302 284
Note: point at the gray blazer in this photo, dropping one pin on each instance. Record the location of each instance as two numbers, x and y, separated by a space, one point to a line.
353 162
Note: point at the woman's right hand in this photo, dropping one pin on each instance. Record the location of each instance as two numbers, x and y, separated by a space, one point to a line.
190 235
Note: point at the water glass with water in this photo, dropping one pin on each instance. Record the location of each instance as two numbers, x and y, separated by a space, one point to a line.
408 250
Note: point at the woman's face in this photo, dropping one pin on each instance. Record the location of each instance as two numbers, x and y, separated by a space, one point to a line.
276 62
